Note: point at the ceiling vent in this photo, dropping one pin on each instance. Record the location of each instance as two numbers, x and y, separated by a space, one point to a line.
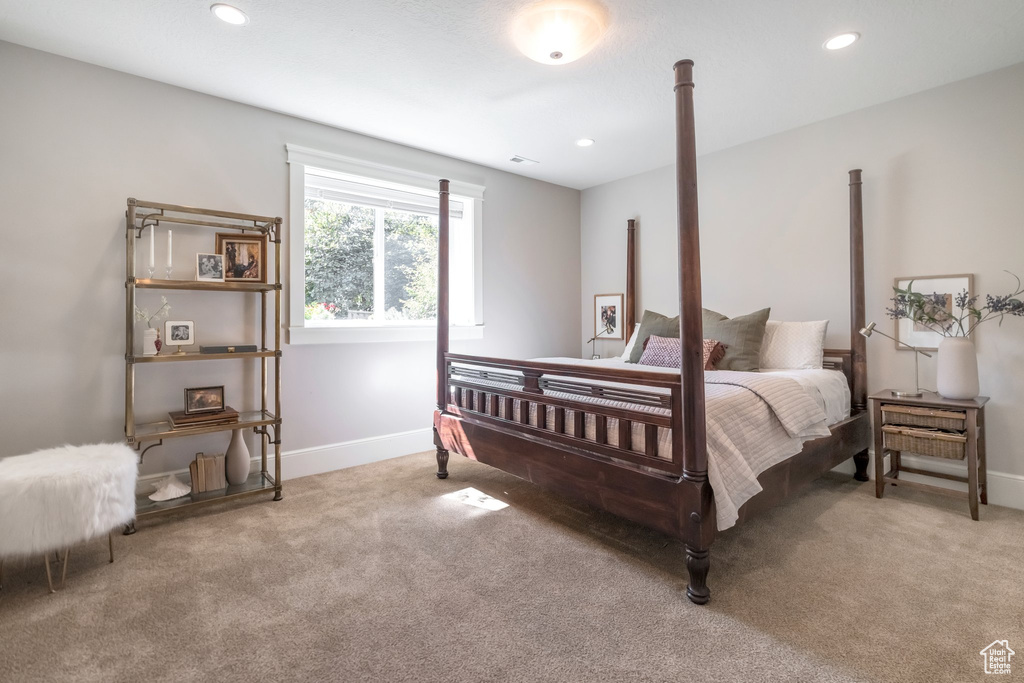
522 160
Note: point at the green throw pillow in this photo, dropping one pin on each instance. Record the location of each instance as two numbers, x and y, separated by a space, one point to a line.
742 337
656 324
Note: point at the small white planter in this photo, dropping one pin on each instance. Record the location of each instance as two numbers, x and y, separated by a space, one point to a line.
958 369
149 337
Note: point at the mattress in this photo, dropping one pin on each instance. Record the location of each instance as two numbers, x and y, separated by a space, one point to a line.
829 388
754 421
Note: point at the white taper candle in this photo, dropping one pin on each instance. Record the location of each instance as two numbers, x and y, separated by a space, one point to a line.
168 248
152 247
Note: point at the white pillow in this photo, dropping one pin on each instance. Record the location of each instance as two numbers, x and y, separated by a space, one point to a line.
793 346
631 343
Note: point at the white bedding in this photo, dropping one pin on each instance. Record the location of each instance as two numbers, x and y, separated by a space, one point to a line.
754 421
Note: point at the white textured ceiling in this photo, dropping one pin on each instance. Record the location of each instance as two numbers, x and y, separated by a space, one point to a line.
443 75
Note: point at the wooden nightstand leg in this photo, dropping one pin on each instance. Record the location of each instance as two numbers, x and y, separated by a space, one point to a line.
895 463
982 464
879 450
972 462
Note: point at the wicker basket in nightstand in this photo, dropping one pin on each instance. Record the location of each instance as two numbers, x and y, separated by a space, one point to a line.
933 442
936 427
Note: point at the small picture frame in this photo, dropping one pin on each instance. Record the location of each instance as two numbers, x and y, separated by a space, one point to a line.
245 257
204 400
209 267
608 316
179 333
915 334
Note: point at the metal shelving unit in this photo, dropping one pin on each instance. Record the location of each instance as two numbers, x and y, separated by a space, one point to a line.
266 421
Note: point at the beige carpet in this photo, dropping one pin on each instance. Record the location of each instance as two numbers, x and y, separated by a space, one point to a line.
367 574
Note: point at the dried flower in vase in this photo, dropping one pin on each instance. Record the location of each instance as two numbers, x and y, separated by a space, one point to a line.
142 314
933 311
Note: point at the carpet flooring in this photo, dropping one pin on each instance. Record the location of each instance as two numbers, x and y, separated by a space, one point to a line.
368 574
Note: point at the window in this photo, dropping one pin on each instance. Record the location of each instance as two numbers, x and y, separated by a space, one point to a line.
367 252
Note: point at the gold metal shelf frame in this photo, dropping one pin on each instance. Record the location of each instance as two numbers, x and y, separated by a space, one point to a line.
140 216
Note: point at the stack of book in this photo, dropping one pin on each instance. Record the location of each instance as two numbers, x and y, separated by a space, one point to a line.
179 420
208 473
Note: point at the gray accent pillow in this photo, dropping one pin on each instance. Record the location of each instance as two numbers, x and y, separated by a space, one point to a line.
653 324
742 337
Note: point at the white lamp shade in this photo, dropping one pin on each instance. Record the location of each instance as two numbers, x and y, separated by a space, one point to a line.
559 31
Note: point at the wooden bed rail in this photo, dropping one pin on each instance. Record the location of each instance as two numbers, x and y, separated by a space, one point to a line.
651 379
605 413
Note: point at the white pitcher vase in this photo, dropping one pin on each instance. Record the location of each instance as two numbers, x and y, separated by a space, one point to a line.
149 337
958 369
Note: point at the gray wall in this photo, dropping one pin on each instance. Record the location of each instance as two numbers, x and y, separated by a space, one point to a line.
943 179
76 140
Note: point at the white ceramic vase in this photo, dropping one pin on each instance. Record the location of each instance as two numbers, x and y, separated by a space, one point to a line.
958 369
149 337
236 460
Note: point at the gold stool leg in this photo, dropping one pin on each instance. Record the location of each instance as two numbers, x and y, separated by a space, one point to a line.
64 573
110 544
49 578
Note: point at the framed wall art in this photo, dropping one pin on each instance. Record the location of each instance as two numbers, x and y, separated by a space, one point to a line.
608 316
915 334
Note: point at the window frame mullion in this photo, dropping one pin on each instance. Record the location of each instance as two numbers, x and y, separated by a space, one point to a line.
378 264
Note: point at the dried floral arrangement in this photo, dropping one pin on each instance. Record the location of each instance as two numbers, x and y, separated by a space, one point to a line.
932 310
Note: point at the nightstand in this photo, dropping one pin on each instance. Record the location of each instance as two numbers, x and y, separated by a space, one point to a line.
936 427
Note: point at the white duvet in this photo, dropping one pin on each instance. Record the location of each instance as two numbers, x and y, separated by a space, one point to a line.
754 421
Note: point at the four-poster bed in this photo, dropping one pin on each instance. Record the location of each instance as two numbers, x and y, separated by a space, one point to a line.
635 442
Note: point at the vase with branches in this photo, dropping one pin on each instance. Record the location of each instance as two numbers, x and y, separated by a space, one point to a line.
151 336
956 319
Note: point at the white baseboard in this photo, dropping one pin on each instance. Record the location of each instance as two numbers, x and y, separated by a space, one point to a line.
1003 489
306 461
319 459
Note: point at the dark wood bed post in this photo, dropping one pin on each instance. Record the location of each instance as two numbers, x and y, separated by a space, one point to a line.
442 322
689 432
630 277
858 343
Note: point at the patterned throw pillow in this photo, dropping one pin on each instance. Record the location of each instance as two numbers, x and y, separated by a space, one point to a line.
665 352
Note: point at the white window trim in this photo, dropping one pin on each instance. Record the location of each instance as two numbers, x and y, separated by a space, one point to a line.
298 330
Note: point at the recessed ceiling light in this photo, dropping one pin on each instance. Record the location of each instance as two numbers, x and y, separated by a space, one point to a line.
559 31
584 142
229 14
841 41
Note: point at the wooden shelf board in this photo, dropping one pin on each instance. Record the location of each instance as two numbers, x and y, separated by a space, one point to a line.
257 482
233 286
172 358
155 431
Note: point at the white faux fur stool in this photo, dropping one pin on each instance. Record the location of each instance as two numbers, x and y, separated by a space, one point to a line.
53 499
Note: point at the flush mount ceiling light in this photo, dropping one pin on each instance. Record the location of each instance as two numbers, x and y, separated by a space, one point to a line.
584 142
519 159
559 31
841 41
229 14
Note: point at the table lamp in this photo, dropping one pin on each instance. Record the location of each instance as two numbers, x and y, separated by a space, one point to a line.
870 329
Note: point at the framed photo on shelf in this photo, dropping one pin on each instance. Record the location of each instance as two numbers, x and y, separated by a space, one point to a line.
608 316
245 257
179 333
915 334
210 267
204 400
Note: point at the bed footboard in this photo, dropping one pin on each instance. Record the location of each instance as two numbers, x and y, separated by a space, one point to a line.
597 412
